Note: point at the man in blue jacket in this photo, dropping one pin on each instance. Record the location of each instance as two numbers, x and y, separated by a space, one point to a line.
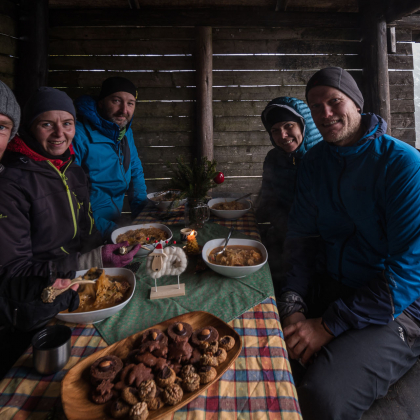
105 149
356 325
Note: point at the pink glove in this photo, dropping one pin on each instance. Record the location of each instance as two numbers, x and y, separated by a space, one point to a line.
63 283
112 258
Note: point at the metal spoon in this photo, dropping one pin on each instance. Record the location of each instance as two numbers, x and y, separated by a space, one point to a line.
226 242
245 196
50 293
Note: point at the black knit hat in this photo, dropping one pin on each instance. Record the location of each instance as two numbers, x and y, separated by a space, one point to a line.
116 84
337 78
46 99
279 114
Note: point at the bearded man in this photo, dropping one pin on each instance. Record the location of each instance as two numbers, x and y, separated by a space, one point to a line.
105 149
354 325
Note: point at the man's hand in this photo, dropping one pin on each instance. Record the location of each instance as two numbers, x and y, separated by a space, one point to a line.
63 283
305 337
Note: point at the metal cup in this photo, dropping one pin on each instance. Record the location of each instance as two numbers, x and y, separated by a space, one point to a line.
51 349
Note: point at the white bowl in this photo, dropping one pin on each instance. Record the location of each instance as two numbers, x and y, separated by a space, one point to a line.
233 272
228 214
163 205
100 314
142 251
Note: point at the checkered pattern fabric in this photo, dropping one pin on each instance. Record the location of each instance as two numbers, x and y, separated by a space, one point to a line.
259 385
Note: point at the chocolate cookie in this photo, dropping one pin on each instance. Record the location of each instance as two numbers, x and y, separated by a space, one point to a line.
147 359
191 382
119 409
220 355
176 367
165 377
160 364
207 359
207 374
180 352
135 374
187 370
103 393
195 357
139 411
130 395
179 331
105 368
173 394
227 342
147 390
206 334
153 334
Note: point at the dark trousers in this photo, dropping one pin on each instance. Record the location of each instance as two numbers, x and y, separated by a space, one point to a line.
356 368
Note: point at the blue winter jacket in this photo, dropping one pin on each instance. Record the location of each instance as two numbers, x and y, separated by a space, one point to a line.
113 166
280 168
364 202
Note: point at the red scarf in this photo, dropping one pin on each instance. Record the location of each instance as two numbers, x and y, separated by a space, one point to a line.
19 146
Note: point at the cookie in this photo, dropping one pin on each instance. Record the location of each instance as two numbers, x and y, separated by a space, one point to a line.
154 334
220 355
176 367
207 374
147 359
180 352
206 334
155 403
135 374
186 370
103 393
139 411
179 331
119 409
106 367
227 342
165 377
209 347
195 357
191 382
207 359
147 390
160 363
173 394
130 395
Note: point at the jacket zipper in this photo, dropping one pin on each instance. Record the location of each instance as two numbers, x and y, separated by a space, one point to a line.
121 164
63 178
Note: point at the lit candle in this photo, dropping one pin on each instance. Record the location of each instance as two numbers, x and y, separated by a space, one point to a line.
192 245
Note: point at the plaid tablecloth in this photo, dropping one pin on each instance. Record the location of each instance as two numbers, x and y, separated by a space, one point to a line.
258 386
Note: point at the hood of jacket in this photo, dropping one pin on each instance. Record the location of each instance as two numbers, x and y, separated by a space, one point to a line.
311 135
87 109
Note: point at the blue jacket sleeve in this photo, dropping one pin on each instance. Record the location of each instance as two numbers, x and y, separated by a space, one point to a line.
137 193
390 293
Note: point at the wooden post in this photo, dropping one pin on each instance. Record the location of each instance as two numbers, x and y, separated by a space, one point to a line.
204 67
375 62
32 71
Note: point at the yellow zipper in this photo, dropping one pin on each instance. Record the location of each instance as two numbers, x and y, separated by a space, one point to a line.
63 178
92 221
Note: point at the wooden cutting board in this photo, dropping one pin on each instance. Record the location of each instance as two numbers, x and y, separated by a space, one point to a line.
76 387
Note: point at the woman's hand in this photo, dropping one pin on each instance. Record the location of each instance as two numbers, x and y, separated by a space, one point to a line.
63 283
112 258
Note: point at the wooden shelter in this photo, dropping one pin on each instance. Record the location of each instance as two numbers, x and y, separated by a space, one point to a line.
206 69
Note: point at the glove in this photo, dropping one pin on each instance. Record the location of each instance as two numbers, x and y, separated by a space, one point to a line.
112 258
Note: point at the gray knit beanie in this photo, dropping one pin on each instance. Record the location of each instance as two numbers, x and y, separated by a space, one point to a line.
9 107
43 100
337 78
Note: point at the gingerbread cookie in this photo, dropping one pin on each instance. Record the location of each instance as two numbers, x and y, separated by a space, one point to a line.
119 409
139 411
207 374
147 359
147 390
165 377
195 357
206 334
179 331
227 342
180 352
103 393
191 382
173 394
136 374
220 355
106 368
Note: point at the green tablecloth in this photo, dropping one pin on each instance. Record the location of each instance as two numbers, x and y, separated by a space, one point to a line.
206 291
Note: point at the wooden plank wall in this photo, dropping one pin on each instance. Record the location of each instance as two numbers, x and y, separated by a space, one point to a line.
8 41
251 66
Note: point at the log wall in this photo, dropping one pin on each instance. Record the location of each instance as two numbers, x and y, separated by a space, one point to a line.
8 41
251 66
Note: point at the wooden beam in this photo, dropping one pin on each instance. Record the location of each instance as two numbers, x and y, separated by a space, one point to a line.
375 62
409 22
397 9
204 67
238 17
32 71
392 40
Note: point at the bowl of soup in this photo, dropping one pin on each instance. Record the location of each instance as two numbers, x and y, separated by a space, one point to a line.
103 299
241 258
148 235
228 208
164 199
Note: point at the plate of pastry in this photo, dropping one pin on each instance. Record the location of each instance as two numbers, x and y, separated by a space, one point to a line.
152 373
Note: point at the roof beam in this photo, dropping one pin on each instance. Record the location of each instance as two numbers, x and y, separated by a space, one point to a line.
397 9
409 22
238 17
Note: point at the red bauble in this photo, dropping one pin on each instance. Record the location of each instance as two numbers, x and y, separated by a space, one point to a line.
219 178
